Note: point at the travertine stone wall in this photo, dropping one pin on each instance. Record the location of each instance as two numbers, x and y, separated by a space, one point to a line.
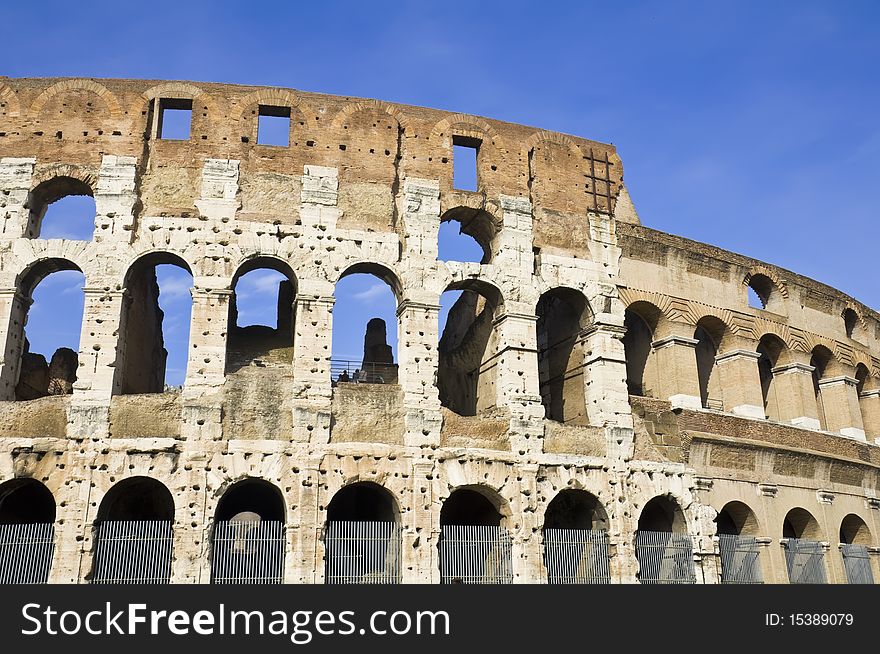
363 187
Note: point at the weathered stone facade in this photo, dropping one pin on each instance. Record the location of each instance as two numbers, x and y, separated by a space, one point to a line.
574 302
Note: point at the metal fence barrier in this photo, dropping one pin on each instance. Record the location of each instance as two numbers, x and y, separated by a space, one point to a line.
805 561
857 563
576 556
665 557
471 554
356 372
247 552
133 552
739 559
362 552
26 552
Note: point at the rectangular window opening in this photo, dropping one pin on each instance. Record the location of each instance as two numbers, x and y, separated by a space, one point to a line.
273 126
464 163
175 119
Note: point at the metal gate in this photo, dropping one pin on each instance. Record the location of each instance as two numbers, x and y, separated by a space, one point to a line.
133 552
857 564
576 556
26 552
362 552
471 554
665 557
739 559
247 552
805 561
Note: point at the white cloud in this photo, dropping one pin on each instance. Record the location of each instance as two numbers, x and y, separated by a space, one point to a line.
173 289
373 292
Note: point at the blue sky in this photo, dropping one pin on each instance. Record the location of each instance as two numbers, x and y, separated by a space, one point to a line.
748 125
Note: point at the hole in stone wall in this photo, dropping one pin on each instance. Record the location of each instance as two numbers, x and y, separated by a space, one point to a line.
253 499
640 321
770 349
469 507
465 153
273 126
62 207
364 330
575 509
175 119
362 502
26 501
662 514
137 498
466 234
52 326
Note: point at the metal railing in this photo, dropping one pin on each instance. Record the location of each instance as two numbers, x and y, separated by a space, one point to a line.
132 552
857 564
805 561
26 552
739 559
576 556
471 554
362 552
247 552
355 372
665 557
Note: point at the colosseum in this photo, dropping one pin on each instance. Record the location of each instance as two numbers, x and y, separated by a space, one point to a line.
604 404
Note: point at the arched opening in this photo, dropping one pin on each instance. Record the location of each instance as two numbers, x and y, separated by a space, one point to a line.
563 314
576 539
363 536
640 320
770 349
804 553
365 327
261 316
155 325
44 331
133 534
709 334
663 547
820 360
466 367
475 546
855 538
248 538
737 535
763 294
851 323
27 531
867 392
466 234
62 207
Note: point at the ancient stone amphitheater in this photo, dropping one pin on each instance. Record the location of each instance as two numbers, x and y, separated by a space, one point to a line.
604 407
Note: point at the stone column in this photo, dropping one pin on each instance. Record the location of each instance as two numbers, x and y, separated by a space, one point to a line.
13 312
312 347
15 182
516 382
840 402
793 385
417 373
677 365
741 383
605 392
869 403
419 557
528 552
115 199
71 526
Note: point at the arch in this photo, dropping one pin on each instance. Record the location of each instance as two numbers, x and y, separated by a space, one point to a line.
770 349
10 98
26 501
641 320
53 190
275 97
38 270
371 105
463 125
737 519
466 376
574 508
379 270
800 523
78 85
478 224
474 505
363 501
663 514
552 137
251 499
27 531
563 313
177 90
855 531
710 333
852 322
769 289
137 498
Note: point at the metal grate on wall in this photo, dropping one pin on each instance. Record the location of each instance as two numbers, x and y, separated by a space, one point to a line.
577 556
471 554
739 559
362 552
26 552
247 552
805 561
857 564
665 557
132 552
